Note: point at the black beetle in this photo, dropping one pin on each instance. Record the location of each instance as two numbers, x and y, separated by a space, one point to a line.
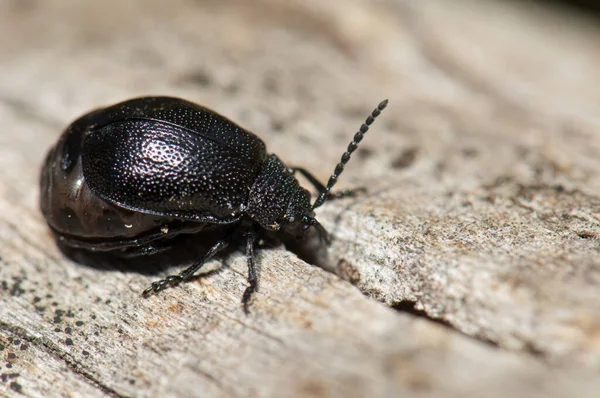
132 176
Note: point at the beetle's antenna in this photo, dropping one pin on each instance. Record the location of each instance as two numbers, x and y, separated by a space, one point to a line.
346 156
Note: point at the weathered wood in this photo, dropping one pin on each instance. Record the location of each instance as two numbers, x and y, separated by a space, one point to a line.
483 209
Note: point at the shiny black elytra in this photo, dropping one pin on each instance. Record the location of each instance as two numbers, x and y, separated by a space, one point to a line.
130 177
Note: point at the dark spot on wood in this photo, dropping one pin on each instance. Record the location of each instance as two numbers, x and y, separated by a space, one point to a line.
271 84
16 387
419 382
232 88
68 330
586 235
198 77
440 167
534 350
352 112
469 152
314 388
22 6
277 126
405 159
79 323
24 347
348 271
58 314
85 353
364 153
12 355
16 289
69 341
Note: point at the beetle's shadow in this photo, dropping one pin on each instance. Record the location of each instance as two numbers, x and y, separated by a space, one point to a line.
180 254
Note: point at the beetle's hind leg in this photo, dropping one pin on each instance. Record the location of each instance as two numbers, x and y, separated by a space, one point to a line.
321 188
191 270
252 278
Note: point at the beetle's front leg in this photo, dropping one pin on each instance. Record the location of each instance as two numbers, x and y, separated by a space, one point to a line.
252 278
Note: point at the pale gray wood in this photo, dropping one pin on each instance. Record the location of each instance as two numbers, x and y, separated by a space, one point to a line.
482 208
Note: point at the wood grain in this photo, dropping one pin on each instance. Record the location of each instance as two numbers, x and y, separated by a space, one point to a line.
473 256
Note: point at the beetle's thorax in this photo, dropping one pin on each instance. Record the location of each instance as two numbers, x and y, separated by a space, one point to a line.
277 201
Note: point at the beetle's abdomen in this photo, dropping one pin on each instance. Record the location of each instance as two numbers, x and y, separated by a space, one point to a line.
156 167
72 208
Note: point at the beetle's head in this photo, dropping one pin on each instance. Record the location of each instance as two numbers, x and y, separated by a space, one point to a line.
307 239
289 212
300 217
277 202
300 227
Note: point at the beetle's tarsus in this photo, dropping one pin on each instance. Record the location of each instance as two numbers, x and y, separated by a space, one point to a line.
162 284
247 296
147 291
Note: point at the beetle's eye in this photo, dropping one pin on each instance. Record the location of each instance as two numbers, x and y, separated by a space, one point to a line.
306 222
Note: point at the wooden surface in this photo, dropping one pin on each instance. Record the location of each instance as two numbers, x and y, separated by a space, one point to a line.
474 254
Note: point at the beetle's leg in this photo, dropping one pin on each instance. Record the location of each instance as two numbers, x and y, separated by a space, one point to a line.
252 279
131 244
186 273
321 188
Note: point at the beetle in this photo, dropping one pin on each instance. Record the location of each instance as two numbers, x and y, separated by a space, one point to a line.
131 177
